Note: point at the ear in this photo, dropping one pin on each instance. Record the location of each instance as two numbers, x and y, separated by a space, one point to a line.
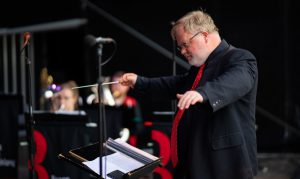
205 35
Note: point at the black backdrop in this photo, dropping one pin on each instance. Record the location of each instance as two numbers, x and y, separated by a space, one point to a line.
268 29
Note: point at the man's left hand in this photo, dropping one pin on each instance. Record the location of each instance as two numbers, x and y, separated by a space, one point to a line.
188 98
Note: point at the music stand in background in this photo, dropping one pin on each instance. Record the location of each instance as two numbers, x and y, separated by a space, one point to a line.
55 133
11 109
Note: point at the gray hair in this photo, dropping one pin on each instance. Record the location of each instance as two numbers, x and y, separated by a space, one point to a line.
195 21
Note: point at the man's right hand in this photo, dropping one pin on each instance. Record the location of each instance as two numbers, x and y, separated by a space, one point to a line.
128 79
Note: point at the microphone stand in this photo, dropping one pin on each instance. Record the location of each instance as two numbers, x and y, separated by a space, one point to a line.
174 102
92 41
30 122
100 108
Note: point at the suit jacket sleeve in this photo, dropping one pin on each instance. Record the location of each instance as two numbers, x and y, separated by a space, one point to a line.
159 88
236 80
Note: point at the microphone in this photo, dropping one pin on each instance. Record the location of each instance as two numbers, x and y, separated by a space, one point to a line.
26 37
92 40
26 40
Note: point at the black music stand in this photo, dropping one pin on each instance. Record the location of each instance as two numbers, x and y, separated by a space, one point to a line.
61 131
10 113
88 153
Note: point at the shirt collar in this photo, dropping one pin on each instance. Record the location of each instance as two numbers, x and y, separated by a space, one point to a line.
217 51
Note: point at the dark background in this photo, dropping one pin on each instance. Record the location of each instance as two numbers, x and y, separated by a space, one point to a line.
268 29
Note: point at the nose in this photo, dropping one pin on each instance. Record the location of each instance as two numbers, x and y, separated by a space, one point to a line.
183 51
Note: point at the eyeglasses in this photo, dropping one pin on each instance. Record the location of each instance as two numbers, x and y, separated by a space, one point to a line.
186 45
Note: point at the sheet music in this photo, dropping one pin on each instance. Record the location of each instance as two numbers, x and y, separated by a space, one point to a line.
138 151
115 161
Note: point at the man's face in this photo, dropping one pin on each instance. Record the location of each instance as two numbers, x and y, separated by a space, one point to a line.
192 46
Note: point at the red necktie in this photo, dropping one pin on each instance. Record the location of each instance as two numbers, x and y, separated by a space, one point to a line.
178 116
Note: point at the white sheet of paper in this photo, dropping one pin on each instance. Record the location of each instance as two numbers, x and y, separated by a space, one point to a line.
136 149
115 161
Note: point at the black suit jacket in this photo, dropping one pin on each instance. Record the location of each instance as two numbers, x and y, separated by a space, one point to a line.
217 138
